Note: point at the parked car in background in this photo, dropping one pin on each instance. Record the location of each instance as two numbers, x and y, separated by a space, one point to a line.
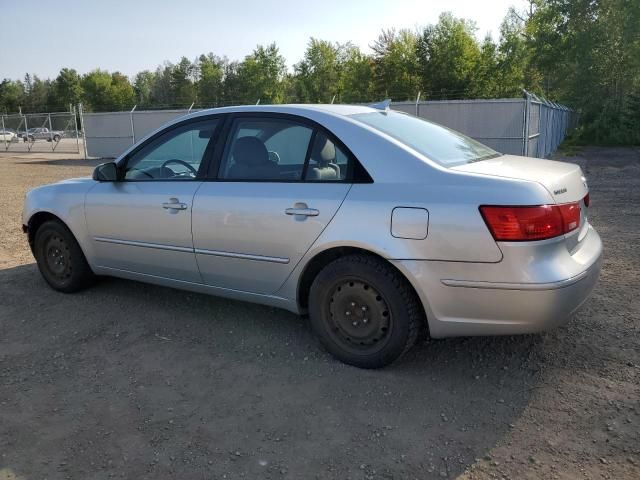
7 135
376 223
33 134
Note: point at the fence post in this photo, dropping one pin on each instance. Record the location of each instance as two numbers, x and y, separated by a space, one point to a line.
26 131
75 124
418 104
133 132
51 133
84 134
525 124
4 134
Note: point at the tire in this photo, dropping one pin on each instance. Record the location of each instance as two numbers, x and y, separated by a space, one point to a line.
60 258
364 311
56 138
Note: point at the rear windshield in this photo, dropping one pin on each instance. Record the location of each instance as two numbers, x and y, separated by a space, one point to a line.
438 143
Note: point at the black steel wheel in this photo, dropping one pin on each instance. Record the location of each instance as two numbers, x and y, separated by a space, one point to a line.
57 257
359 316
60 258
364 311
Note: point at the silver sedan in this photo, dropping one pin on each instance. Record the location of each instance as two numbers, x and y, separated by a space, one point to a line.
377 224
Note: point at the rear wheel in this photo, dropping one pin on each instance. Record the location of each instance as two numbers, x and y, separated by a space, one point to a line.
60 258
364 311
56 138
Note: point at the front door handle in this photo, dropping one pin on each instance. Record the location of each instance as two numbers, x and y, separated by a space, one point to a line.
174 204
305 211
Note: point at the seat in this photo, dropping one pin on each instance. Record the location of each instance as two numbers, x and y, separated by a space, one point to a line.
251 161
324 154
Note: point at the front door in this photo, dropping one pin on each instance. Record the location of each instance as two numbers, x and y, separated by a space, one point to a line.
280 183
142 223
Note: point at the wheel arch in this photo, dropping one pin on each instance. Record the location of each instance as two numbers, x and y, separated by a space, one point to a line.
35 222
323 258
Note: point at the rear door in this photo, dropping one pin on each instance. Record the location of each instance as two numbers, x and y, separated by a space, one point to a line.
274 194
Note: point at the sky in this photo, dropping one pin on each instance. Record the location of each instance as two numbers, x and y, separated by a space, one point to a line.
130 36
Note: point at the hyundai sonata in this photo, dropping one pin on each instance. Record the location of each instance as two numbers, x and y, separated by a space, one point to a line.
376 223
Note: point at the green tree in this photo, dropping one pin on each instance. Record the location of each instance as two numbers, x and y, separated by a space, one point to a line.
96 86
588 53
232 89
11 95
357 76
107 91
210 84
182 82
448 55
514 72
40 94
123 95
66 90
318 74
161 91
396 65
36 94
485 83
143 86
261 76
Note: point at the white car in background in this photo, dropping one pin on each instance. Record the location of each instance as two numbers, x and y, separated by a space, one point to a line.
7 135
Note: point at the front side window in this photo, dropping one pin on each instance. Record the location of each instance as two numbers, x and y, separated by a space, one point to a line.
266 149
174 155
438 143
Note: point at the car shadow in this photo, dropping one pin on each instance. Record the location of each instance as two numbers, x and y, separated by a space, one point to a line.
152 381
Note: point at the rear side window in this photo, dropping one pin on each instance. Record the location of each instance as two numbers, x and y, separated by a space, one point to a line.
266 149
438 143
327 161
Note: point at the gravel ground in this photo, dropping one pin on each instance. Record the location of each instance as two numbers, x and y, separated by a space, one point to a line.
127 380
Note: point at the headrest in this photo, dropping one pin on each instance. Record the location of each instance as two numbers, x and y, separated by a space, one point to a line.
324 151
250 151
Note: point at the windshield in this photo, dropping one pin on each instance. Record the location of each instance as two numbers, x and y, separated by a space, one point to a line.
438 143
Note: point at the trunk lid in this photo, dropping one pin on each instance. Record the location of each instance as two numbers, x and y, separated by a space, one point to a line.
564 181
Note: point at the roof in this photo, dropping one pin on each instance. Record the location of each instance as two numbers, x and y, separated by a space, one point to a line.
295 108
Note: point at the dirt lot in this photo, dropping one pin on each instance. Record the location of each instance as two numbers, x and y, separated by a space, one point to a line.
128 380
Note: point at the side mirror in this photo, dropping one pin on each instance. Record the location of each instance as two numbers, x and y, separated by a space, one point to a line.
106 172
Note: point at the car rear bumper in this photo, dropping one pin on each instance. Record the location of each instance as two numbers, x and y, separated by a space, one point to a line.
537 286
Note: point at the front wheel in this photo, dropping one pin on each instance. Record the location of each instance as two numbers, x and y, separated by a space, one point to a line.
364 311
60 258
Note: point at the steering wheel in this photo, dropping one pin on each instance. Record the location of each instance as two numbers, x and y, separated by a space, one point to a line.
141 171
180 162
274 157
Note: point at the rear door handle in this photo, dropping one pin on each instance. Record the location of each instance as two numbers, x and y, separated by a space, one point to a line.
174 204
305 212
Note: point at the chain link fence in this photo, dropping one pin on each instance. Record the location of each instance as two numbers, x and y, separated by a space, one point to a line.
57 132
530 126
527 126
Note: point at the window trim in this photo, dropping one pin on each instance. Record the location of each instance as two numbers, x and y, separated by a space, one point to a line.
216 138
213 173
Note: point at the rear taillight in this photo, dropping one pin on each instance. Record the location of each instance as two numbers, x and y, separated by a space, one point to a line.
519 224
